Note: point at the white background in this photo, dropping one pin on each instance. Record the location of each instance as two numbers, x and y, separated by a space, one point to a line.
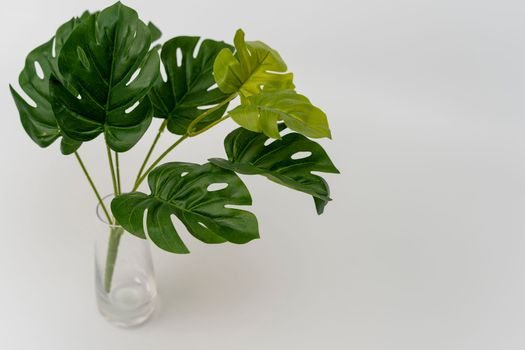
423 246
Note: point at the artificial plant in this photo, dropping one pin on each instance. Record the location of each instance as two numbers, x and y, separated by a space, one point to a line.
100 74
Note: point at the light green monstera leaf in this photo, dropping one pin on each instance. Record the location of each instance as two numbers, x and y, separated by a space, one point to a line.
253 67
248 154
263 112
109 63
39 121
188 191
188 91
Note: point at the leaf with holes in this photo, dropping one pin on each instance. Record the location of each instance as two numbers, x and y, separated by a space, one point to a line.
185 190
248 154
254 66
108 61
188 90
39 120
262 112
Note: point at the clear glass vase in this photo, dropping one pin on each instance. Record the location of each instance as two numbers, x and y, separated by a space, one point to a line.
124 276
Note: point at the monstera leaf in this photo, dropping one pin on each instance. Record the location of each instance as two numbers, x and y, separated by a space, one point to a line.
108 62
254 66
262 112
247 154
39 121
186 94
184 189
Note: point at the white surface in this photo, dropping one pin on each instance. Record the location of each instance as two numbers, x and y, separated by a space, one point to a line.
423 246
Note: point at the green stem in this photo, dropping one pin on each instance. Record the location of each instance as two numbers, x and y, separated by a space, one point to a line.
189 133
193 124
150 151
112 170
92 184
115 232
154 164
114 236
209 126
119 189
111 257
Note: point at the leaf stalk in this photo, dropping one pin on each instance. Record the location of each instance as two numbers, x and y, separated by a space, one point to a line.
195 121
92 184
150 151
112 170
117 165
154 164
189 133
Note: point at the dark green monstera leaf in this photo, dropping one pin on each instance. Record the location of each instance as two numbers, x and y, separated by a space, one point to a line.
264 111
188 91
39 121
248 154
254 66
187 191
108 62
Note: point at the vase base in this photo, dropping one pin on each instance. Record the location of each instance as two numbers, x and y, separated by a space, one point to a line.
128 305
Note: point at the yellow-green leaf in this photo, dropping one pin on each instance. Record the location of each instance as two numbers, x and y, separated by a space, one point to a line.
262 112
254 66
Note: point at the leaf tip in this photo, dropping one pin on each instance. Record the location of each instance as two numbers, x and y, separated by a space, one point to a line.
155 32
320 204
239 32
12 89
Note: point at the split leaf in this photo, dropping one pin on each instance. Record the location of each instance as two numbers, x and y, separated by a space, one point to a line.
108 62
262 112
188 91
247 154
254 66
186 190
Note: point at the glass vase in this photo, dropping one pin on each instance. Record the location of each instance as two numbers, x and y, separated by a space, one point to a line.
124 276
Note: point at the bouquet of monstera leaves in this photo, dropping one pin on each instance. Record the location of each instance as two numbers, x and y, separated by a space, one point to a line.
102 74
